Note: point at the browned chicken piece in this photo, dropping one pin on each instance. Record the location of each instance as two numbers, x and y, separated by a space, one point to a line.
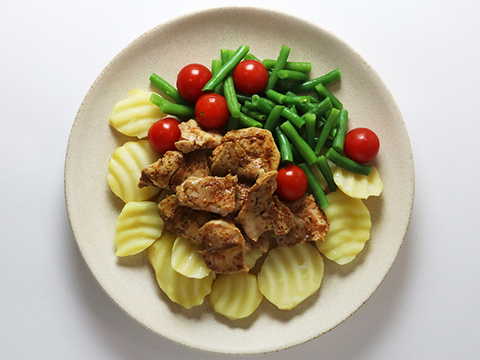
311 223
241 196
225 247
263 243
210 193
248 153
160 172
196 166
182 220
263 211
173 168
194 138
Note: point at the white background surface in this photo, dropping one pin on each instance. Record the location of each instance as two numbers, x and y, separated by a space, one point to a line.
428 54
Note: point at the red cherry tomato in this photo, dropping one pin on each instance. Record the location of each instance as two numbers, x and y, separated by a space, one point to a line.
361 145
191 80
163 134
291 182
250 77
211 111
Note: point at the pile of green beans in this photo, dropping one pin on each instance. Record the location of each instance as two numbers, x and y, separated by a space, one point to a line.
308 122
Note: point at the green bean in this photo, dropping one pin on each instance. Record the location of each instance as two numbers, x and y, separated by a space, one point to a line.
281 60
297 158
323 92
250 56
168 89
249 105
216 66
342 122
320 108
292 75
261 104
226 68
315 187
275 96
348 164
326 172
326 79
327 127
243 98
231 96
247 121
310 123
294 118
304 67
254 114
301 145
273 118
232 123
183 112
284 145
295 100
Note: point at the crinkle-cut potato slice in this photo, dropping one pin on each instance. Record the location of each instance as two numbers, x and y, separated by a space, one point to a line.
125 167
135 115
350 225
290 275
137 227
185 291
251 257
186 259
235 296
356 185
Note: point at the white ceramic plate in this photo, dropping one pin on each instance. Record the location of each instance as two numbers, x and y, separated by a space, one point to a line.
93 209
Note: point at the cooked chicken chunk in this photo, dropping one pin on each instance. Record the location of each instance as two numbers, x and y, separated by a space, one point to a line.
194 138
225 247
263 211
311 224
196 166
210 193
241 196
160 172
182 220
248 153
173 168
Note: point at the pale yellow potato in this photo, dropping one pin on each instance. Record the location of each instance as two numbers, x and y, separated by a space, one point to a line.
290 275
136 114
125 167
356 185
186 259
137 227
185 291
350 226
235 296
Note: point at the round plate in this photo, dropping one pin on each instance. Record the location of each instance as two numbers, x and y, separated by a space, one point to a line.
93 209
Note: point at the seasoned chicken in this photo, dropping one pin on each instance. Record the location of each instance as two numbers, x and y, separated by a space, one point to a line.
263 211
241 196
210 193
194 138
311 224
196 166
182 220
173 168
248 153
225 247
160 172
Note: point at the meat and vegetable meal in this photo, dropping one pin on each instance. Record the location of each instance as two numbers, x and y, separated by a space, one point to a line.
240 179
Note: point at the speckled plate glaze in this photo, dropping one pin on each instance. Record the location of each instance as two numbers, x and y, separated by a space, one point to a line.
93 209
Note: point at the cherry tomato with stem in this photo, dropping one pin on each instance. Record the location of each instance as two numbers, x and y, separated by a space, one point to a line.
291 183
211 111
163 135
191 79
361 145
250 77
